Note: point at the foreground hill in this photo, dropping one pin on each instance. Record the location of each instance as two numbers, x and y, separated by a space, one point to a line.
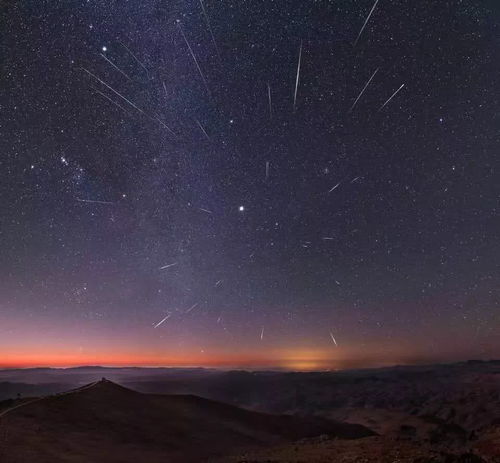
104 422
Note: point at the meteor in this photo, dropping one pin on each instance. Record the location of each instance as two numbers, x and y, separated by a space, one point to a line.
161 321
167 266
363 91
366 22
297 79
391 97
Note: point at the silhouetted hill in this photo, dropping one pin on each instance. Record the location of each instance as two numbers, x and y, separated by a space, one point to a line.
105 422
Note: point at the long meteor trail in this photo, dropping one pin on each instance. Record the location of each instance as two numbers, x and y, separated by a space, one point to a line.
115 66
334 188
363 91
95 201
191 308
194 59
391 97
366 22
163 125
135 57
109 99
202 129
113 90
161 321
167 266
210 29
297 78
270 101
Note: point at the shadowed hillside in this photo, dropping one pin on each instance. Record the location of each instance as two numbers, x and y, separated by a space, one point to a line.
107 422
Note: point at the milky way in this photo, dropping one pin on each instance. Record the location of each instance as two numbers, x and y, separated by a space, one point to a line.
245 182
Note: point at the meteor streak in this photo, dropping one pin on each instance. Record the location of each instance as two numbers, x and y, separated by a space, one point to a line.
366 22
297 78
363 91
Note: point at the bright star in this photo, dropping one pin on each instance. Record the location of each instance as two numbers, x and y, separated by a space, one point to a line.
241 208
104 49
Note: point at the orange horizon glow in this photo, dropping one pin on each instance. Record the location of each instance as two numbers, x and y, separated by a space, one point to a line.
301 357
296 361
124 360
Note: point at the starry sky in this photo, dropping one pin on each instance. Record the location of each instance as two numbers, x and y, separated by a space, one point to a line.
299 184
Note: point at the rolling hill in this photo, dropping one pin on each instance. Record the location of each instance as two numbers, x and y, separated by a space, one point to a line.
105 422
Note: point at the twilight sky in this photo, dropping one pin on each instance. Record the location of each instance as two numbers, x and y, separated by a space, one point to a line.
301 184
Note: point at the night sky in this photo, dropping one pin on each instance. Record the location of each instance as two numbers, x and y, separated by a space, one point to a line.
231 183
